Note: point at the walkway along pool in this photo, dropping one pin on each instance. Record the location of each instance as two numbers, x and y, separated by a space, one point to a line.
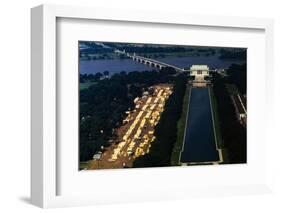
199 144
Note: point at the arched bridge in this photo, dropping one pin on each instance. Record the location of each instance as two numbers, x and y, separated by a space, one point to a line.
157 64
152 62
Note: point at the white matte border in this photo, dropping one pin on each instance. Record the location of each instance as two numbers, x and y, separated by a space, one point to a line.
46 51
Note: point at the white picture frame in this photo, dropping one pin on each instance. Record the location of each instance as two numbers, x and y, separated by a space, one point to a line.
44 155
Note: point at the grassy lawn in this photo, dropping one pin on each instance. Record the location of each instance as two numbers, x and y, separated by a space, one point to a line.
83 165
217 125
86 85
175 158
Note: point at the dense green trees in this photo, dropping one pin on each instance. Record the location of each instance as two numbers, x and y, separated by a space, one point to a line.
238 76
92 48
233 133
233 53
103 106
83 78
166 129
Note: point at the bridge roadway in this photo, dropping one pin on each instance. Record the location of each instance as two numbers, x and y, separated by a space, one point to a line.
158 64
153 62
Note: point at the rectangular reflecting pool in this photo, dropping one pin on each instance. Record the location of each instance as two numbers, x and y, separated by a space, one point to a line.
199 141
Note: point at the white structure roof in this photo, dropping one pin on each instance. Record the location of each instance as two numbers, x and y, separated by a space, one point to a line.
199 67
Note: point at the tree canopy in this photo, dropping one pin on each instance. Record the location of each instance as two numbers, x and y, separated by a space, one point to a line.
103 106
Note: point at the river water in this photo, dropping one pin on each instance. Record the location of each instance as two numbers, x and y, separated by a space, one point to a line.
199 144
128 65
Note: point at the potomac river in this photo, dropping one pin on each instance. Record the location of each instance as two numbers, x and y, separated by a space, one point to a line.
128 65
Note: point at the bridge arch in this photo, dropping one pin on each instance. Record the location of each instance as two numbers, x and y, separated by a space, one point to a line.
152 62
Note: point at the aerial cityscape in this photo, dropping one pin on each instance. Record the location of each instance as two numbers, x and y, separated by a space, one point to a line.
155 105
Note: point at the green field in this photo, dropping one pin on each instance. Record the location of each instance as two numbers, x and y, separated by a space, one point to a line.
86 85
83 165
175 157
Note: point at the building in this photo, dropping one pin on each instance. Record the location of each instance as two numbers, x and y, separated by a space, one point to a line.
199 72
